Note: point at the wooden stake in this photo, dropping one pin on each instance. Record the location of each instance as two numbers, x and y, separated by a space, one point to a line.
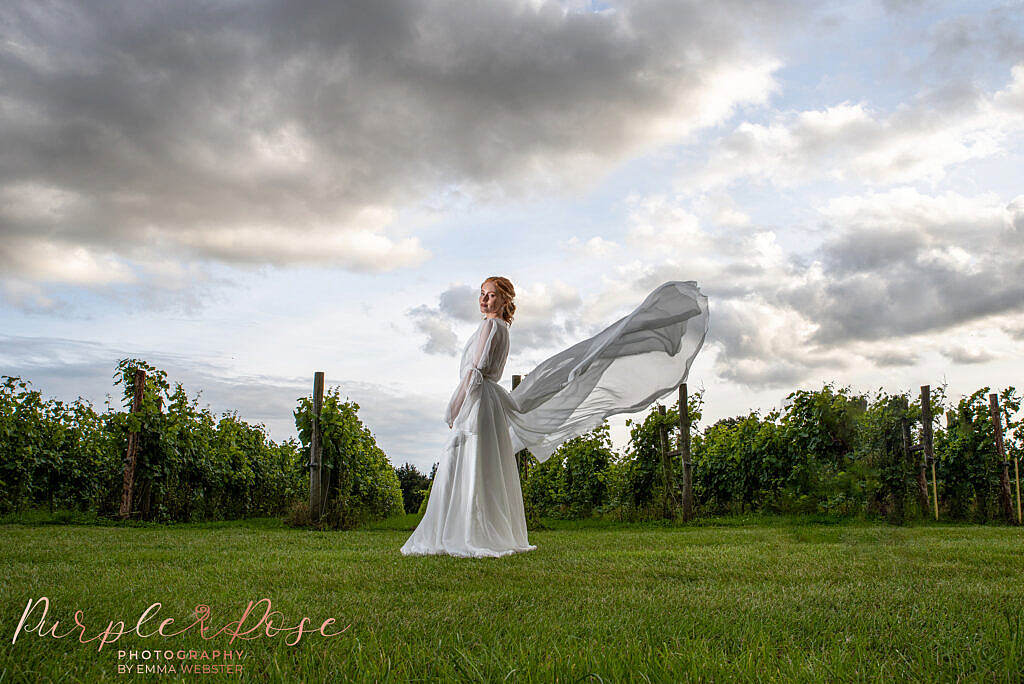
1004 472
922 466
926 440
133 446
668 500
908 451
316 449
522 461
1016 476
684 452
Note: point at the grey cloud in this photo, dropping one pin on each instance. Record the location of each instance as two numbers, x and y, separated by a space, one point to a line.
545 319
762 357
867 250
938 269
894 358
539 334
286 132
752 350
962 39
1015 331
741 285
461 303
896 264
441 338
959 354
895 303
407 426
772 374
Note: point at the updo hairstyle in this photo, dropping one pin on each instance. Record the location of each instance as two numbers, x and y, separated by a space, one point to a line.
508 294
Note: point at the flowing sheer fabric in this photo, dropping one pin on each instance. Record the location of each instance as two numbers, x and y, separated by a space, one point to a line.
475 506
622 369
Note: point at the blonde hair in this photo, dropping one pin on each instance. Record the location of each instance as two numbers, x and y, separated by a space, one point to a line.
507 292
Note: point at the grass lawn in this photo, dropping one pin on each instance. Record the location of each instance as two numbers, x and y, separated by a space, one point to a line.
754 599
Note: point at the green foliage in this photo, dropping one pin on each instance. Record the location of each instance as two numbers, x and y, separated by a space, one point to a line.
50 451
967 462
359 483
426 492
828 452
190 465
738 463
640 484
414 486
587 460
880 446
573 482
818 428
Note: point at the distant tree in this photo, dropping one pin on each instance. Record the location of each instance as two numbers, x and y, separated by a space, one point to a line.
414 486
426 492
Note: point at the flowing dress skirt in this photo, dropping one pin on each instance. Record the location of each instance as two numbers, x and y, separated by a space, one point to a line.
475 508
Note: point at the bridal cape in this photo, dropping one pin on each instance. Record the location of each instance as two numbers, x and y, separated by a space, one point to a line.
475 507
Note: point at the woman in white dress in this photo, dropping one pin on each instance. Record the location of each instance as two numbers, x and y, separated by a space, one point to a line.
475 507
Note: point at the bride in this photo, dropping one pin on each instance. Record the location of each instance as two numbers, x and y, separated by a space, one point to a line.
475 507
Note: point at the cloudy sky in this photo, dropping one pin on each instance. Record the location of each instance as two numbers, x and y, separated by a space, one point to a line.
245 193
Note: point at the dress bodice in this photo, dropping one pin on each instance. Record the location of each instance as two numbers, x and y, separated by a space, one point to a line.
483 359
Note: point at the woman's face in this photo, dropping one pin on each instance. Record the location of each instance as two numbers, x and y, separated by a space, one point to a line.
490 299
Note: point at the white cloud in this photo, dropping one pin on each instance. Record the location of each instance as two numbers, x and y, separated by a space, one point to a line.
895 265
362 250
56 262
595 248
852 142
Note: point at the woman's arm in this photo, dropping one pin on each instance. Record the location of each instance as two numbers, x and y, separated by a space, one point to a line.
482 360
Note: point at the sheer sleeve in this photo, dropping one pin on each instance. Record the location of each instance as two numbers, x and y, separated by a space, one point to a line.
483 359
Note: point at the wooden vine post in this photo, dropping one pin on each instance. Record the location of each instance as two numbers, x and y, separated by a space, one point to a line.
522 457
922 463
909 450
926 440
1016 477
316 449
668 501
133 446
684 452
1004 471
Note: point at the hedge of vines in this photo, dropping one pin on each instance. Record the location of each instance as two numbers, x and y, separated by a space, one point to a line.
829 451
358 480
191 465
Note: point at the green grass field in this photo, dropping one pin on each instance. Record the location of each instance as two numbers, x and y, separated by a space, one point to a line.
754 599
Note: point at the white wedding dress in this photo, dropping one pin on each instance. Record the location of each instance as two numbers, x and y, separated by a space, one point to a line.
475 508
